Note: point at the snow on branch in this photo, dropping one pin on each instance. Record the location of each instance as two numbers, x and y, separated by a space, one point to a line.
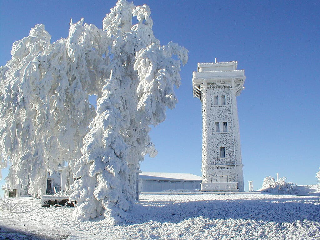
47 120
280 186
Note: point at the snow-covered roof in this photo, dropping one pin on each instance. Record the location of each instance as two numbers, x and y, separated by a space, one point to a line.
169 176
218 66
222 73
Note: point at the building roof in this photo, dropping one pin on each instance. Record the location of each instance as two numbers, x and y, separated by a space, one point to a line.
169 176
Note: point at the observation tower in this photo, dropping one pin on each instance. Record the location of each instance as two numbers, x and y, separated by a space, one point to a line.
217 85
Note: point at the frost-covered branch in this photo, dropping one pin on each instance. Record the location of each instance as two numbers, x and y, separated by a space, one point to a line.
280 186
44 109
135 96
46 118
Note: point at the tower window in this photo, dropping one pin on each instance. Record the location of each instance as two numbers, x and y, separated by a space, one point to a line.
222 152
225 127
216 100
217 127
223 100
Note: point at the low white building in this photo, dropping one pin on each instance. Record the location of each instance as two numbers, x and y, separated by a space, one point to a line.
158 182
61 180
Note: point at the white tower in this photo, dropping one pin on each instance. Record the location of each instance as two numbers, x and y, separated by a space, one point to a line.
217 85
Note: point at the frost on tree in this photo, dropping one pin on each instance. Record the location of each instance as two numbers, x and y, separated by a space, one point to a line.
44 107
47 120
138 88
279 186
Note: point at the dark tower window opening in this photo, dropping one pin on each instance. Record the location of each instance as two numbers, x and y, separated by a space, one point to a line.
222 152
217 127
225 127
216 100
223 100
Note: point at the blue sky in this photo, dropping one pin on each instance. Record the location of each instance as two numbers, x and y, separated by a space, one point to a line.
277 43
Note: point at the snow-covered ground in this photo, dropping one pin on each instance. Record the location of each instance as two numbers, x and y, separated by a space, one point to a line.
174 216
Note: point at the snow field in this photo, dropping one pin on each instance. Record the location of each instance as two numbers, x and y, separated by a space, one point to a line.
203 216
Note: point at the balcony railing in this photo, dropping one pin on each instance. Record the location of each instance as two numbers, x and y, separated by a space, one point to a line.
224 161
220 186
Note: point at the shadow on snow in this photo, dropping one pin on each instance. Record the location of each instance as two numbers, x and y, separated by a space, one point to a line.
13 234
267 210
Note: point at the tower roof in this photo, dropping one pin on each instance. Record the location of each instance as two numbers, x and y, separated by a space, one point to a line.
218 66
222 73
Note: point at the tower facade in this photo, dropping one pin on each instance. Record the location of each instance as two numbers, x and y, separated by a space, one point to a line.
217 85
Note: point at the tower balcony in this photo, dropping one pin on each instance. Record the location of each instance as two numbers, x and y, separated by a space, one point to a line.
222 73
224 162
220 187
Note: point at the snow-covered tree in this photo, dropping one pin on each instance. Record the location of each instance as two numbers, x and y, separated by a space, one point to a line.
268 182
44 109
22 115
139 88
280 186
46 118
